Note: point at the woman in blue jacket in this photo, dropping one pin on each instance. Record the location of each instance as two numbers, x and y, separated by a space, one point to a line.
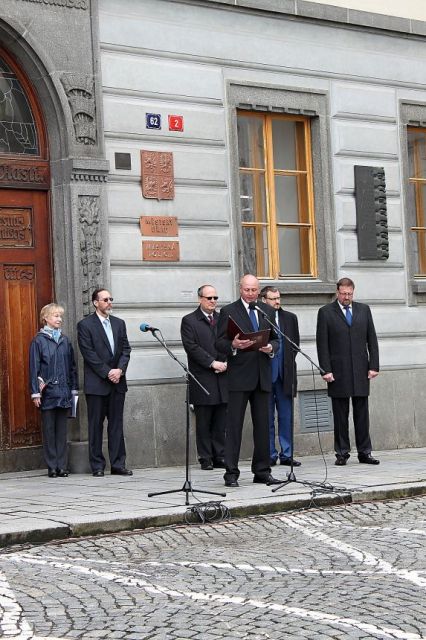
53 379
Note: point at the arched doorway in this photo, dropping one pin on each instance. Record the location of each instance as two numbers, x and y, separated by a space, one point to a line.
25 249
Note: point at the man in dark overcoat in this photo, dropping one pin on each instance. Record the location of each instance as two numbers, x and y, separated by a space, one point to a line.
103 343
249 380
284 380
198 333
348 352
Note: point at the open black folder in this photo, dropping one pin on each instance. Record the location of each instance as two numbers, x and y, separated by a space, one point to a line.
260 338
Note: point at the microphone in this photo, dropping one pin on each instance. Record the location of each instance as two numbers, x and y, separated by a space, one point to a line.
146 327
258 309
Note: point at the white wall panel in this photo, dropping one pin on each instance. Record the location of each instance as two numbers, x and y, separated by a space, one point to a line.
350 98
190 203
121 70
365 138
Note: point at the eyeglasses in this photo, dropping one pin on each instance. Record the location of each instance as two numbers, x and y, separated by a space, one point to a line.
210 297
106 299
274 299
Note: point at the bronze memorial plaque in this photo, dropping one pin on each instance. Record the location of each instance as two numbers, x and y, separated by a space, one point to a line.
160 250
15 227
157 175
164 226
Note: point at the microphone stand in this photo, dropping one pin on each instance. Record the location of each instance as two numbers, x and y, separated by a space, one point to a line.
187 486
295 349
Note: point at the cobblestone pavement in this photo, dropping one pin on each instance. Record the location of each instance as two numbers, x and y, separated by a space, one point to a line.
355 571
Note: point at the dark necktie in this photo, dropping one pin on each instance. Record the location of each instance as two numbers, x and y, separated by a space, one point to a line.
348 316
253 319
210 319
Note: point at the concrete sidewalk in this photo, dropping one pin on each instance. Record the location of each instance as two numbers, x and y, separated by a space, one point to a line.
35 508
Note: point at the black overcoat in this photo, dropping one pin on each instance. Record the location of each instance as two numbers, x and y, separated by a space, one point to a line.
198 339
347 352
246 369
290 327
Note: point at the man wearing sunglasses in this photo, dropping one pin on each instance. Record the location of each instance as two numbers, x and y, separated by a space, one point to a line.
103 343
198 333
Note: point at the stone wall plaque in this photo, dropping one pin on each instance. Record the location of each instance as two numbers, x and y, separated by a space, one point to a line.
15 227
160 250
157 175
164 226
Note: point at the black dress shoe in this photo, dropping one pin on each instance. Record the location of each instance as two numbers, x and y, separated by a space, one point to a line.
368 459
98 474
287 462
62 473
206 465
266 480
232 482
273 462
340 461
52 473
219 464
121 472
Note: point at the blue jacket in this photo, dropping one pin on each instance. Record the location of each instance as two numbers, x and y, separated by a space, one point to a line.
55 363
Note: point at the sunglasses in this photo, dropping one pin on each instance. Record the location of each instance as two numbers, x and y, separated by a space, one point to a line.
210 297
106 299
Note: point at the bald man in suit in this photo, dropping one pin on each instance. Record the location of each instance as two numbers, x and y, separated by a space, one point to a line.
249 380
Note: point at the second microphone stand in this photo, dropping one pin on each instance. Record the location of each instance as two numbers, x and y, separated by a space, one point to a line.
295 349
187 485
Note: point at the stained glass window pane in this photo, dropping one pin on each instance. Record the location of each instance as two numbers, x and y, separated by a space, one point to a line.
18 133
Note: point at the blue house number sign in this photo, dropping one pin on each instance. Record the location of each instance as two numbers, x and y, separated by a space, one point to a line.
153 120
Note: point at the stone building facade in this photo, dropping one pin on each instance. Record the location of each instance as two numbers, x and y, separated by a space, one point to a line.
296 135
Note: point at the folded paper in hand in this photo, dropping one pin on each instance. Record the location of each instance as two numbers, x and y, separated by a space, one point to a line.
259 338
73 409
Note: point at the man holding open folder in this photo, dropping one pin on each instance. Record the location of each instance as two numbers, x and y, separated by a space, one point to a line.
249 378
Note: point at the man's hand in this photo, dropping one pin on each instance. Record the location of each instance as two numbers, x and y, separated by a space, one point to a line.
218 366
115 375
372 374
268 349
328 377
37 402
241 344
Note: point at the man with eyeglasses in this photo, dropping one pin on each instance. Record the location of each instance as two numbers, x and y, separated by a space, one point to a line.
103 343
198 333
348 352
284 380
249 381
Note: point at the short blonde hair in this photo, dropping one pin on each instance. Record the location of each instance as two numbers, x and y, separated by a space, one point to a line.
48 309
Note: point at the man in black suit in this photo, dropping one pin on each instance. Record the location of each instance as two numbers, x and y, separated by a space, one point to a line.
249 380
284 379
103 343
349 354
198 333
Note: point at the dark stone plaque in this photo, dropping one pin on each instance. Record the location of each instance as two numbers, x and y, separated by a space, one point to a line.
371 213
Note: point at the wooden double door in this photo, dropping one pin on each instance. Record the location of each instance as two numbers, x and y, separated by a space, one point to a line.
25 286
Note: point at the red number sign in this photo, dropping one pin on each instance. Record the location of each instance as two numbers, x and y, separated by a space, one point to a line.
175 123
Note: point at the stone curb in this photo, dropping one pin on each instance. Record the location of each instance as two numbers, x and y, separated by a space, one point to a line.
50 533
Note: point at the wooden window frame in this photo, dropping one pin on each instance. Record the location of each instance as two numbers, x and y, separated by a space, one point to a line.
305 198
420 212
